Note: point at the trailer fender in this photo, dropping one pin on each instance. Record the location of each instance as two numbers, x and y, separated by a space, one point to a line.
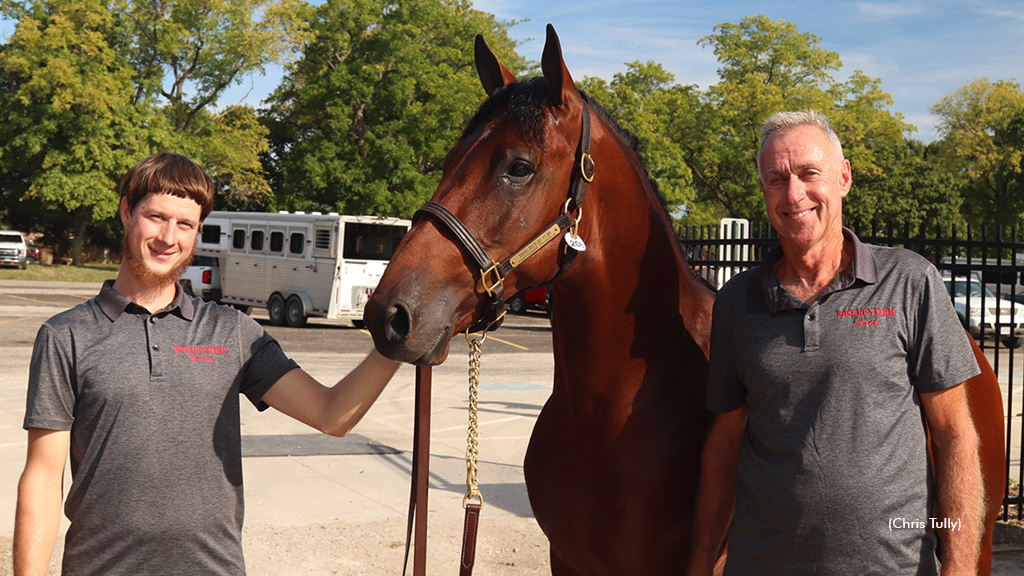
307 302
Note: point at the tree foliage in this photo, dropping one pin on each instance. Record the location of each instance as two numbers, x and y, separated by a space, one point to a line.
90 87
982 125
67 123
766 67
645 101
364 119
186 53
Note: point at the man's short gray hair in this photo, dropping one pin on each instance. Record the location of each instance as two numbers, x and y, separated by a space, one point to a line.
783 122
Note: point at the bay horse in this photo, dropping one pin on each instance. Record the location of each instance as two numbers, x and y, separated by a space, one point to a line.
613 463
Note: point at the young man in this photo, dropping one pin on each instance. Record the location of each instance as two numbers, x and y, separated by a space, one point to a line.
152 425
827 361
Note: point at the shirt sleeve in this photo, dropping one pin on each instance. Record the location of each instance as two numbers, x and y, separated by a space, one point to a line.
941 356
264 362
725 389
50 403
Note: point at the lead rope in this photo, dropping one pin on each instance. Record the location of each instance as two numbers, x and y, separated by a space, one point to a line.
472 520
472 443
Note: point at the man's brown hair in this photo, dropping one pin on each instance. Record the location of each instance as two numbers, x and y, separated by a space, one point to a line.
167 173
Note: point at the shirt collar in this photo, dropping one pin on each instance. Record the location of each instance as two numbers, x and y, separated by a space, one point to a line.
113 304
767 293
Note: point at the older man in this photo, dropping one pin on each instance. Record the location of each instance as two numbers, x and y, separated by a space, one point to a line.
828 361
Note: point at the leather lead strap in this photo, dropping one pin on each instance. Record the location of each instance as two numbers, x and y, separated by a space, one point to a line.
420 475
469 530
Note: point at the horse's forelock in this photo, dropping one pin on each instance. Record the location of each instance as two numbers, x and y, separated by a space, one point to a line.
521 101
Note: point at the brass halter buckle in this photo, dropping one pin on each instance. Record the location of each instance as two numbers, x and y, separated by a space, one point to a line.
575 228
587 167
499 281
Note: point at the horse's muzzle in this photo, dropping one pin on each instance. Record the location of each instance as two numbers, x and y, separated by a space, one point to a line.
391 324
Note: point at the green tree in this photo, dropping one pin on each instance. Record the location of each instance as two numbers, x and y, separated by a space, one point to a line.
645 101
919 196
769 66
186 53
364 119
982 131
67 123
91 87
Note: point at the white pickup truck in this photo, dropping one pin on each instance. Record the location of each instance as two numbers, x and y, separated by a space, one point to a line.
13 249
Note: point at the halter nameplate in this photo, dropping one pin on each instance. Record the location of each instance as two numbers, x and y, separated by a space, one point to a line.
536 244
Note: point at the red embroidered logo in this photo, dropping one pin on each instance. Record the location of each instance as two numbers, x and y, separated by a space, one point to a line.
201 353
866 316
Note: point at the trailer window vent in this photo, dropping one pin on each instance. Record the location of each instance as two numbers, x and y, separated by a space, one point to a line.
322 240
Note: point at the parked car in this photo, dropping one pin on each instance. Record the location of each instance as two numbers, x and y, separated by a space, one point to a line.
13 249
33 252
983 313
539 298
202 278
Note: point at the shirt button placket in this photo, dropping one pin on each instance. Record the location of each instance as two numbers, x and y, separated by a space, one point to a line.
812 329
156 371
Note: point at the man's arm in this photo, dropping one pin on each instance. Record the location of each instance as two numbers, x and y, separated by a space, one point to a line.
334 410
716 494
40 493
957 478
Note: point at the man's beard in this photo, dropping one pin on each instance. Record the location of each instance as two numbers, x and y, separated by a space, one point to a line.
146 276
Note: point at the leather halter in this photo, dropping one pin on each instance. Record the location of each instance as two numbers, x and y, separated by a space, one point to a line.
493 273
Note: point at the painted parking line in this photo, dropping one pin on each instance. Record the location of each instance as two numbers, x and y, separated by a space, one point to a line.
13 320
507 343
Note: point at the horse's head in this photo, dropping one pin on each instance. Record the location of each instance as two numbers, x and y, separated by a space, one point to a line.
510 189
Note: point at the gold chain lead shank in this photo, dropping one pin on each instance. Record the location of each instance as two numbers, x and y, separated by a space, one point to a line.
472 444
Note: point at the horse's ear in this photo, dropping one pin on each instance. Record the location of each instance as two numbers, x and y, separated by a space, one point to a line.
560 84
492 72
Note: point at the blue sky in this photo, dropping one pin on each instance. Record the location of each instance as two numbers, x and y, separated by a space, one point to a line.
921 50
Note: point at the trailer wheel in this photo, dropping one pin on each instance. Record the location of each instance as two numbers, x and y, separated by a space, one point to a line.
275 309
294 314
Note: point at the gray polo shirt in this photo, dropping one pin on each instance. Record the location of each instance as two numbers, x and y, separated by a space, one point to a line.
833 474
151 401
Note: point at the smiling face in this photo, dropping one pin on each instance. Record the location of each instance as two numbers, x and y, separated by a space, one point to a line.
159 238
804 179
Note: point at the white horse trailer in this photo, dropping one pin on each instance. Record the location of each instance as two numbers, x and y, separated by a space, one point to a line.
299 265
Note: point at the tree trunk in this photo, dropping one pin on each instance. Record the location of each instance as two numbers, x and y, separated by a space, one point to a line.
79 223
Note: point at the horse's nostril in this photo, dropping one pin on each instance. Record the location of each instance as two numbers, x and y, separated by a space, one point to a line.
398 323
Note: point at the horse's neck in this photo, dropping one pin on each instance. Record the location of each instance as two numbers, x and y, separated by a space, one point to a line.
631 282
633 240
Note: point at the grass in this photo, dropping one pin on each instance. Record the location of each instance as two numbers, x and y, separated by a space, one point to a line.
61 273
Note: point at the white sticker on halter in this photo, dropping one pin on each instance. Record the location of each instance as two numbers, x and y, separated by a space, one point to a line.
575 242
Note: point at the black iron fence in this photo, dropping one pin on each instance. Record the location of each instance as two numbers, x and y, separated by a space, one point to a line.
984 269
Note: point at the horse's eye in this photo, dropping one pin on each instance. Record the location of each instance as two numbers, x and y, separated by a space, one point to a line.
519 171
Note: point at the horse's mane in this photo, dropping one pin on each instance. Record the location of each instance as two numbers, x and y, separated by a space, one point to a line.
522 101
